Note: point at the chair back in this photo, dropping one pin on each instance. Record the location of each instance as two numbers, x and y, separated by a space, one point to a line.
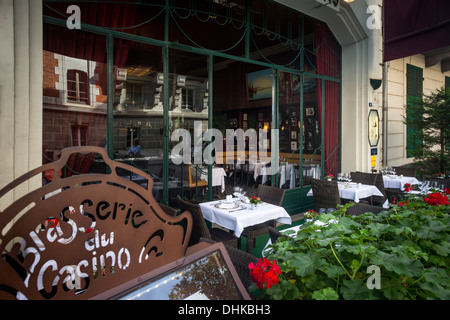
271 194
360 208
363 177
326 194
168 209
405 171
199 227
274 234
379 183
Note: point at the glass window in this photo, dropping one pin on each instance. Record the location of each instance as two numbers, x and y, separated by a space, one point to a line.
74 79
208 278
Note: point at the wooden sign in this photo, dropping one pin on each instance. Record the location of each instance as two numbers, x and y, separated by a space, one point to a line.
77 237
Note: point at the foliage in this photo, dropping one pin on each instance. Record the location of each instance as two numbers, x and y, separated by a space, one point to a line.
410 245
430 121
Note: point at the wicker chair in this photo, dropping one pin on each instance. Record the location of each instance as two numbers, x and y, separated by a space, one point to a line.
169 210
379 183
363 177
241 260
405 171
360 208
326 194
267 194
394 195
274 234
444 181
200 229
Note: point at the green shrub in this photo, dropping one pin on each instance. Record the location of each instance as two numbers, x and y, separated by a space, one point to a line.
409 243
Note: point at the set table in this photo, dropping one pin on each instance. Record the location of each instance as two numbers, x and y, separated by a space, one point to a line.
398 182
355 191
241 216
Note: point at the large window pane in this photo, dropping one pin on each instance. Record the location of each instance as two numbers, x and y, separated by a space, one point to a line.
188 123
138 110
289 126
74 95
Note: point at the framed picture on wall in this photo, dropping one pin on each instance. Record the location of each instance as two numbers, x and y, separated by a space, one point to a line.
293 145
259 84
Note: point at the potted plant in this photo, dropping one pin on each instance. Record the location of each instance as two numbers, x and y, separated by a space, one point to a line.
401 253
329 177
254 201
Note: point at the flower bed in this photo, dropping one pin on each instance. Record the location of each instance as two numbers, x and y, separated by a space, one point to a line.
400 253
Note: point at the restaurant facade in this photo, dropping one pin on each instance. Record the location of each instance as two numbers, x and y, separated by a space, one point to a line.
283 83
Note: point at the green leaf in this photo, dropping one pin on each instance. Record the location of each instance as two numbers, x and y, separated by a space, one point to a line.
355 290
399 263
377 229
325 294
307 264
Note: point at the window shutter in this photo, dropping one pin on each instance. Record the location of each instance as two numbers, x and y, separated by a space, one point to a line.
414 90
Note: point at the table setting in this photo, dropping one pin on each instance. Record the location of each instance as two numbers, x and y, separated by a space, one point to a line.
235 212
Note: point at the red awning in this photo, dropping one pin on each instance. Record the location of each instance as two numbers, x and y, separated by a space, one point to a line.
415 26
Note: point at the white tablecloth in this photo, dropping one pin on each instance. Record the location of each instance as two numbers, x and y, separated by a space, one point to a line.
355 191
238 219
218 177
283 170
398 182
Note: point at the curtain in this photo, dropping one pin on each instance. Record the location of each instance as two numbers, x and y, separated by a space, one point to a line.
85 123
328 64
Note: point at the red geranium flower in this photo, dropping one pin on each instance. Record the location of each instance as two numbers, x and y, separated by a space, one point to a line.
407 187
264 273
436 199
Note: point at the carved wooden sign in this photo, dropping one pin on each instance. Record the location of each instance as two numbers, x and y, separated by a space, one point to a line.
77 237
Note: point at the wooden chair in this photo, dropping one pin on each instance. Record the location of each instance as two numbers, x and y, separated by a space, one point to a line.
192 176
267 194
326 194
201 230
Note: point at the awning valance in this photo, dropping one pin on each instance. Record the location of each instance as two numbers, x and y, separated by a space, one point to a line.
415 26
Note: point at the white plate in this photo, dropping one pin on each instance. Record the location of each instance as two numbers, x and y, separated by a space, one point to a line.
222 205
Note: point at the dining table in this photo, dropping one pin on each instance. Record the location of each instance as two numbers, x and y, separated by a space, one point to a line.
236 215
398 182
355 191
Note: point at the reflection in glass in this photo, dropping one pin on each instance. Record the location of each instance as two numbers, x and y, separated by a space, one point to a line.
205 279
74 96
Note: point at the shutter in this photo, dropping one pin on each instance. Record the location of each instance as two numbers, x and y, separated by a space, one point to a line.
414 90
